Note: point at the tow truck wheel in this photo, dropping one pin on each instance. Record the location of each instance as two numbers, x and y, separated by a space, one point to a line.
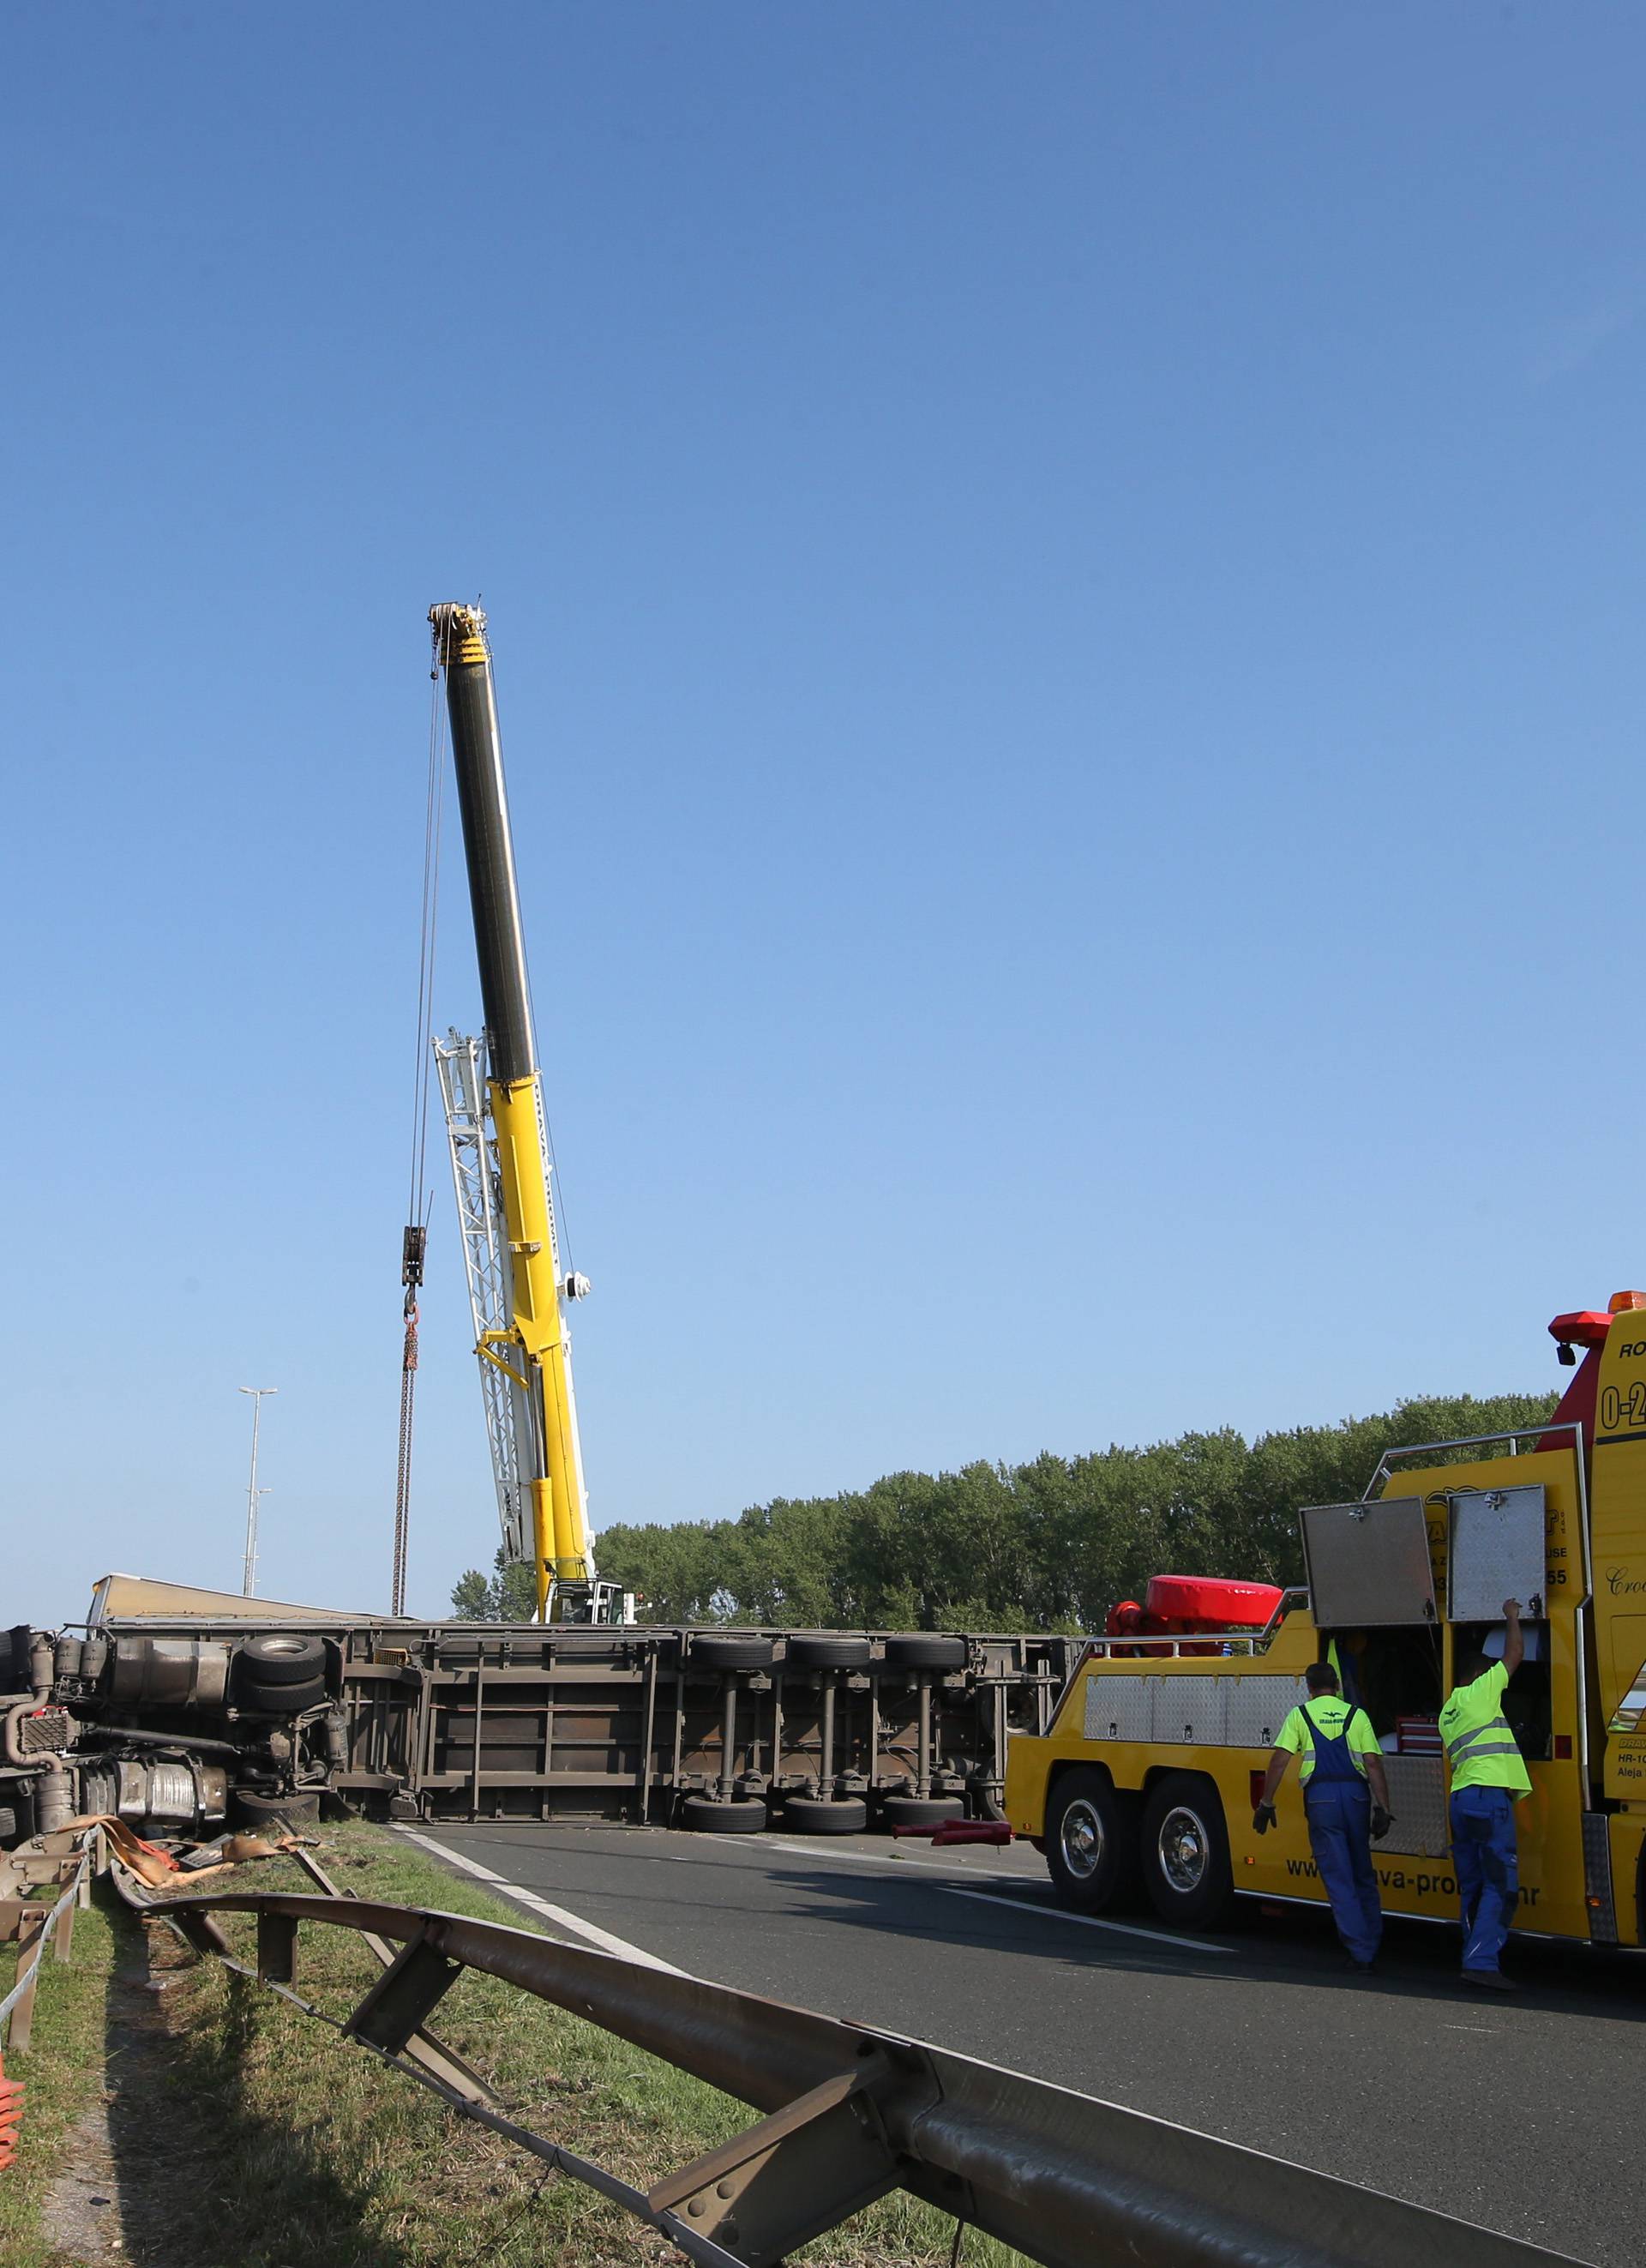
1090 1842
1186 1852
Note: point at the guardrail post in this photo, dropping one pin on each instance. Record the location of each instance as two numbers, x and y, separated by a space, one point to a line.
276 1949
21 2023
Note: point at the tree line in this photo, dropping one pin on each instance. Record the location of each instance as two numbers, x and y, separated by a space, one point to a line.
1047 1545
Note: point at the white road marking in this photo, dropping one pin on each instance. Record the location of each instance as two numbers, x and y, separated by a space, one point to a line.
822 1850
558 1915
1087 1921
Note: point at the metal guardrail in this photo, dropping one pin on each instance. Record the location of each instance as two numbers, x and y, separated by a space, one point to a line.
854 2112
35 1928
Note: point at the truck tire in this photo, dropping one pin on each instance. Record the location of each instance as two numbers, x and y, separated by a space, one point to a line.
256 1811
813 1652
263 1700
1091 1842
730 1654
925 1650
708 1815
821 1815
920 1810
281 1658
1186 1852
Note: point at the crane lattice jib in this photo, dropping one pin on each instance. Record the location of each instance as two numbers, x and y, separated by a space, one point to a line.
485 1241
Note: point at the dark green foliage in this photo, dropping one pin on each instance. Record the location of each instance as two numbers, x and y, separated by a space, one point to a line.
1048 1545
508 1595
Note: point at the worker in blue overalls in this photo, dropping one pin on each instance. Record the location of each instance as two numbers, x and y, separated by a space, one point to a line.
1346 1801
1488 1778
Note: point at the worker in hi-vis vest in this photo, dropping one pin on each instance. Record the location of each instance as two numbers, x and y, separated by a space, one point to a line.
1488 1778
1346 1801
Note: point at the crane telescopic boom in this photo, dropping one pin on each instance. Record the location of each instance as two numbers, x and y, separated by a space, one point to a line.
503 1170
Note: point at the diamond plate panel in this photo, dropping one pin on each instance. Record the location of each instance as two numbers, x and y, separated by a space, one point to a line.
1190 1711
1417 1797
1117 1705
1257 1707
1496 1552
1369 1565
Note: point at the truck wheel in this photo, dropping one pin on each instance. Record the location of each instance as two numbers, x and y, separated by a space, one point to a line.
925 1650
813 1651
818 1814
707 1815
921 1811
1186 1852
282 1658
259 1811
730 1654
1091 1851
250 1693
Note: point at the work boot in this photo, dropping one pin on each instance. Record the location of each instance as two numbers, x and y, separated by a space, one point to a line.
1489 1980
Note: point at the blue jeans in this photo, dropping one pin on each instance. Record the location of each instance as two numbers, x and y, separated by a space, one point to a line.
1488 1864
1339 1835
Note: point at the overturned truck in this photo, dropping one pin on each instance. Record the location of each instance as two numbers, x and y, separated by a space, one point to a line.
179 1712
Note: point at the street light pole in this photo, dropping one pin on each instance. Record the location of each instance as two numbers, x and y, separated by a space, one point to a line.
249 1583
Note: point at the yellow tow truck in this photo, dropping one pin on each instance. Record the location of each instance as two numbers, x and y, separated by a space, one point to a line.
1149 1771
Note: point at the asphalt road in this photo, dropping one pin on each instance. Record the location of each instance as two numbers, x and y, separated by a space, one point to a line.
1521 2114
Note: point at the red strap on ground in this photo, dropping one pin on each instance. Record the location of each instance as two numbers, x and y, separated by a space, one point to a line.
10 2117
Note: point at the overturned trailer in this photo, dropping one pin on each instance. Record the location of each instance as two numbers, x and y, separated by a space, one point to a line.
178 1710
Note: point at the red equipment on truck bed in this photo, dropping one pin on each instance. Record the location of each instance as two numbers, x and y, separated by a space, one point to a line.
1208 1602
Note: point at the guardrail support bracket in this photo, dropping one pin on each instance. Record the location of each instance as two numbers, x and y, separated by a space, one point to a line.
794 2174
419 1977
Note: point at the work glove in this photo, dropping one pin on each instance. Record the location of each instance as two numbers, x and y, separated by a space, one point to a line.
1263 1818
1382 1821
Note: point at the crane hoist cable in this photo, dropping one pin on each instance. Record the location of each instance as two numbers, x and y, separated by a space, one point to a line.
415 1237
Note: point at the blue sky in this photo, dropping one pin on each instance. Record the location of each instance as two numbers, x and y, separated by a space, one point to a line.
1067 587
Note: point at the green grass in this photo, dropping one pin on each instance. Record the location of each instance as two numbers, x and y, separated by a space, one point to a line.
62 2070
301 2148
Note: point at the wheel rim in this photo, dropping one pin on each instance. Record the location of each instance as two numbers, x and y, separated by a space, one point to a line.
1185 1849
1080 1839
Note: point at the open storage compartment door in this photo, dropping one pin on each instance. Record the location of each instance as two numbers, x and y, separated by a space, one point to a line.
1497 1553
1368 1564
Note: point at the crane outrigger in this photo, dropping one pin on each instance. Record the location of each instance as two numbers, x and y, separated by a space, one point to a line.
492 1090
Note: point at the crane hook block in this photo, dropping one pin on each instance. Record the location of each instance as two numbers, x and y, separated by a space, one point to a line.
412 1242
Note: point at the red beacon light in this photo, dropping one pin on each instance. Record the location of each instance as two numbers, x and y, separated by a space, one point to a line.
1586 1327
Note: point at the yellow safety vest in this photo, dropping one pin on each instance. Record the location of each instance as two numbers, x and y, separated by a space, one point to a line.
1479 1747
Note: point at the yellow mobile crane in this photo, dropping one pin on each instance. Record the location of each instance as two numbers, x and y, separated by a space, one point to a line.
492 1089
